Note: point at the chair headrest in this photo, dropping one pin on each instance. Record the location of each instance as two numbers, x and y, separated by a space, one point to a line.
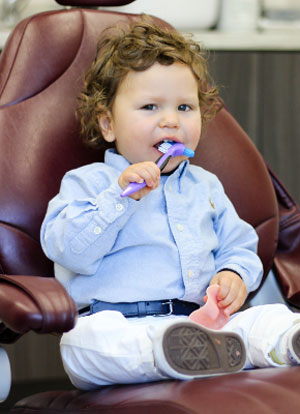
93 3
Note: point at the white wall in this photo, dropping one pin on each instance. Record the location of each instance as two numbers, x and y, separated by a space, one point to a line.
187 14
37 6
182 14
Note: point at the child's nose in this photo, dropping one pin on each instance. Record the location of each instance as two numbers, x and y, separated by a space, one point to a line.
169 119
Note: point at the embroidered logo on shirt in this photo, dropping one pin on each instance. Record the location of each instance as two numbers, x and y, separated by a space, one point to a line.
212 203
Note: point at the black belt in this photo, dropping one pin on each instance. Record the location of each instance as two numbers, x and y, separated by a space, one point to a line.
139 309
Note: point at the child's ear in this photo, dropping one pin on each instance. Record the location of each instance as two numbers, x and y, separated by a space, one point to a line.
105 123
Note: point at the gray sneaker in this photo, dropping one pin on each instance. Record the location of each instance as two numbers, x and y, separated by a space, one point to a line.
188 350
294 346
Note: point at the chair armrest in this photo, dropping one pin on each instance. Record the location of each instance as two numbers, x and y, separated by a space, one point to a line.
287 256
35 303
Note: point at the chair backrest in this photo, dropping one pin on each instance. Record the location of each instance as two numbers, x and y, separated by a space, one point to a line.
41 69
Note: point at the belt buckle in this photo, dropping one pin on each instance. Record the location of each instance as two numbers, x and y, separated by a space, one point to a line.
171 307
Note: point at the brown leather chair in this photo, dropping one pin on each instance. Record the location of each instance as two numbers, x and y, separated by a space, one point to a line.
41 71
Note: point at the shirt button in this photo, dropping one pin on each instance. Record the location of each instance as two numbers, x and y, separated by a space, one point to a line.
97 230
180 227
170 188
119 207
190 273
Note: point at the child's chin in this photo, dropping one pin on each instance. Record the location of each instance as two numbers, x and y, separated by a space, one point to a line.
173 164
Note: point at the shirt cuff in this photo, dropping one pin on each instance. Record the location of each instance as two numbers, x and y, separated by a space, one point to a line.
226 269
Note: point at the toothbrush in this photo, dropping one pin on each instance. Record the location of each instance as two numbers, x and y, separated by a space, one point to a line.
169 150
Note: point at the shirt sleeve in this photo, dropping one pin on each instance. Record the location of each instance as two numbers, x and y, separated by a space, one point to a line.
237 249
82 222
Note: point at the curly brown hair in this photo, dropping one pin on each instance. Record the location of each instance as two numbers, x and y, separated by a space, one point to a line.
137 47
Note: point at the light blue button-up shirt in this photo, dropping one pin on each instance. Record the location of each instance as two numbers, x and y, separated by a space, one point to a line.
167 245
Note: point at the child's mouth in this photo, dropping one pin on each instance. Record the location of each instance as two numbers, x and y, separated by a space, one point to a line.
167 141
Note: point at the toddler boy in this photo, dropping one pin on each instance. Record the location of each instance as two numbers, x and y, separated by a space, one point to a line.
138 266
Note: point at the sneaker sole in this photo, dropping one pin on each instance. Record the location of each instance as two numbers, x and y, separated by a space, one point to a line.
197 351
296 344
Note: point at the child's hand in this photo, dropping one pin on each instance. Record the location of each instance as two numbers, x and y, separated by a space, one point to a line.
233 292
146 171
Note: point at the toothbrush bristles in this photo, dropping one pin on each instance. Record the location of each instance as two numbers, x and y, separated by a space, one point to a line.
164 146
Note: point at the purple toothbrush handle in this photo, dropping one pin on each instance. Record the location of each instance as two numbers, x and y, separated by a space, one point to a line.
132 188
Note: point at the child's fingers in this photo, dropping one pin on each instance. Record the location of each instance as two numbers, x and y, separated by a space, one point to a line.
225 287
234 306
150 175
133 178
147 171
228 299
234 300
232 292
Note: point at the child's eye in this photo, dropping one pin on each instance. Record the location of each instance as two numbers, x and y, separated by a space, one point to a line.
149 107
184 107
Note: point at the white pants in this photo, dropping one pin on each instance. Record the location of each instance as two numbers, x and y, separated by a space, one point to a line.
106 348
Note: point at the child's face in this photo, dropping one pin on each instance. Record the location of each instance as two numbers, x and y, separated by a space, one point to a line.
160 103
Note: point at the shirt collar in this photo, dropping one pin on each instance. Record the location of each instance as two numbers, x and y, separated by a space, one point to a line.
179 173
112 158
